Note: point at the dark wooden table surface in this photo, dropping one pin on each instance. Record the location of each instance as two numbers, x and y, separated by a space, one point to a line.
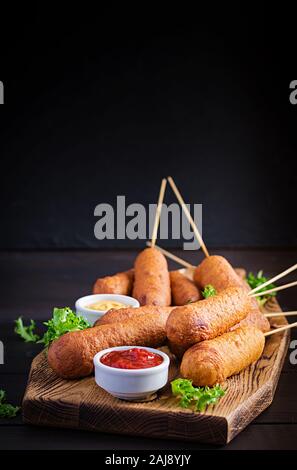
32 283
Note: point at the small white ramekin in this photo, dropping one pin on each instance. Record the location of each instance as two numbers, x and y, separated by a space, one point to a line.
92 315
131 384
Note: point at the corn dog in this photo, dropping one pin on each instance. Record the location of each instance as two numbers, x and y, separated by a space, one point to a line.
151 278
120 283
213 361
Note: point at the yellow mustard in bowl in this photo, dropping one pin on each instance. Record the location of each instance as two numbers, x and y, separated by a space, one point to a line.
106 305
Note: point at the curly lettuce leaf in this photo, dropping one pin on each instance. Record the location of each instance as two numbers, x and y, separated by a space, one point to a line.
64 320
208 291
26 332
257 280
199 396
7 410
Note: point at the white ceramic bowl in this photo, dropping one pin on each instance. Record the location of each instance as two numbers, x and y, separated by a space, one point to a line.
131 384
92 315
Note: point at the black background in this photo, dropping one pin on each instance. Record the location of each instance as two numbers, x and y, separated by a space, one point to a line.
109 102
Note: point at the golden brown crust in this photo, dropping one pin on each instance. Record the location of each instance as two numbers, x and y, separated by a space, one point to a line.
183 290
151 281
123 314
120 283
241 273
218 272
71 356
176 349
207 318
213 361
254 318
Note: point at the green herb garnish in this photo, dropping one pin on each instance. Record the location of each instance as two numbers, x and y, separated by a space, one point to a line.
255 281
26 332
7 410
201 396
208 291
63 321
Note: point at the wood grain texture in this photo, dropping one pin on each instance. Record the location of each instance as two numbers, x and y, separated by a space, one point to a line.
81 404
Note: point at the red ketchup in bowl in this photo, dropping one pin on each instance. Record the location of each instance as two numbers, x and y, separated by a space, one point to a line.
134 358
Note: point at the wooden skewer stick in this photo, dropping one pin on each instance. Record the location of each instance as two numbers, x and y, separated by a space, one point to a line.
282 328
285 286
173 257
280 314
158 211
188 215
275 278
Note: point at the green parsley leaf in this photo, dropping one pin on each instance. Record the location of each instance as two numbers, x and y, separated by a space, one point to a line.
255 281
201 396
26 332
63 321
208 291
7 410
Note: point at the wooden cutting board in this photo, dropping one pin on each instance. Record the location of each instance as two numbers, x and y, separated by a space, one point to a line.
81 404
